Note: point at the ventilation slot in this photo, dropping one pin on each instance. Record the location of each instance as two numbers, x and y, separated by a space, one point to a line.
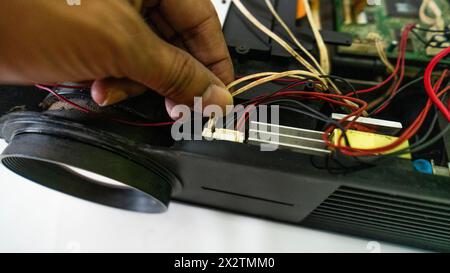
368 212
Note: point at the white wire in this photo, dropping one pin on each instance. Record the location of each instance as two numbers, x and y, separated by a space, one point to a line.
435 9
294 39
323 50
312 71
268 77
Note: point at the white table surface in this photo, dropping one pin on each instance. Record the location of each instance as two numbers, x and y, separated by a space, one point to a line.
36 219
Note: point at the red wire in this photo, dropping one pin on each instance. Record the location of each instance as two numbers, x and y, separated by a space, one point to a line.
62 98
428 86
261 98
402 71
308 96
400 61
88 111
410 131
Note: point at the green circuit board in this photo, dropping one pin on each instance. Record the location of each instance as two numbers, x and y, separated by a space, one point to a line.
387 18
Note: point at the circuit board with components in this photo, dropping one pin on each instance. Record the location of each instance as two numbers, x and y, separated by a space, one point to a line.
387 18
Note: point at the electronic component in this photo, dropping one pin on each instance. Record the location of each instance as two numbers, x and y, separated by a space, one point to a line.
440 170
211 132
362 19
423 166
403 8
388 20
223 134
365 140
311 142
308 180
436 43
374 125
284 137
353 9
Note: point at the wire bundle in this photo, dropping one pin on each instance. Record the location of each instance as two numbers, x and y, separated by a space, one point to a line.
90 112
396 76
358 107
407 134
316 71
290 97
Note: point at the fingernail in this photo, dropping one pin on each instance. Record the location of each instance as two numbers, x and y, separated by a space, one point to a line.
170 105
114 96
216 95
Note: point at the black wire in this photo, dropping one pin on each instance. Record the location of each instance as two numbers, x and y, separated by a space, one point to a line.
431 141
423 143
428 43
338 78
343 169
399 91
309 114
343 80
427 134
417 144
433 30
301 104
419 37
314 114
425 42
366 162
369 161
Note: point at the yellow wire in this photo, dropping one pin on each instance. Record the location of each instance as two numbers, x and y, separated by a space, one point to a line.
381 50
297 43
437 20
294 39
315 8
323 51
312 73
268 77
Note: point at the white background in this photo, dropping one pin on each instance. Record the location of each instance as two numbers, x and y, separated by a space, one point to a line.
34 218
222 7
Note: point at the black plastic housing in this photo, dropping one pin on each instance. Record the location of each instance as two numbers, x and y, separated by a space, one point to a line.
388 202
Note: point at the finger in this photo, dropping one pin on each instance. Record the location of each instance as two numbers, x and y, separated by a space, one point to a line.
170 71
201 32
137 4
165 29
111 91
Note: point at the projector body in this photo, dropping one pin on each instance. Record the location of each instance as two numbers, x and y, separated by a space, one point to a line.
388 201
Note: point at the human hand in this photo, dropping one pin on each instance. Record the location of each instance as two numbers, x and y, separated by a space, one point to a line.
180 53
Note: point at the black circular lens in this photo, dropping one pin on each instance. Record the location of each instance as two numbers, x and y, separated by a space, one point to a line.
89 172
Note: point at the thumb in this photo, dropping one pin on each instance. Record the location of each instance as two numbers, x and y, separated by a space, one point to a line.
171 72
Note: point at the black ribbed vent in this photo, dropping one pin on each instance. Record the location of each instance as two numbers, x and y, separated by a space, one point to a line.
373 213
